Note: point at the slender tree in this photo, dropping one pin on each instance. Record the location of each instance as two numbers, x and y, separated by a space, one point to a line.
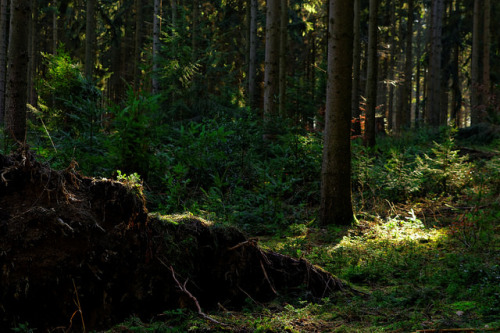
486 89
407 78
283 55
336 205
3 56
356 68
371 82
433 104
18 59
252 64
271 70
155 85
138 40
90 37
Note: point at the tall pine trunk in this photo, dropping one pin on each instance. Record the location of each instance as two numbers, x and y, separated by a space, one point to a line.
90 38
406 88
271 87
356 68
18 59
156 45
138 39
336 205
486 89
3 56
433 105
371 82
252 64
283 56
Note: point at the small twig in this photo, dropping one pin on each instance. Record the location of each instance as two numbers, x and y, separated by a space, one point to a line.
248 295
249 241
267 278
77 303
191 296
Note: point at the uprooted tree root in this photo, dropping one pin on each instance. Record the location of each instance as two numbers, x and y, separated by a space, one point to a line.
76 249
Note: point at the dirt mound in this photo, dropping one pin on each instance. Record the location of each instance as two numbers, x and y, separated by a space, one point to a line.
81 251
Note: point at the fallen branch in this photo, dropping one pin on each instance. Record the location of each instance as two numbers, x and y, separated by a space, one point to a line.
191 296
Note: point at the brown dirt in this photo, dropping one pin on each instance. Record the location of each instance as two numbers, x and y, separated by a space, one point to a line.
73 247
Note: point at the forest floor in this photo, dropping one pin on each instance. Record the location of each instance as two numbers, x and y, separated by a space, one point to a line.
425 265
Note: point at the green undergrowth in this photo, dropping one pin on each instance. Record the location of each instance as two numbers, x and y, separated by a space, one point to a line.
411 276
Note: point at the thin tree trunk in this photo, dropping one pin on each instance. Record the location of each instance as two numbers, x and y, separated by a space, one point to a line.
418 114
32 97
271 88
283 56
371 82
486 89
3 56
252 65
156 45
433 106
54 27
475 72
90 39
336 205
407 83
18 59
356 68
138 43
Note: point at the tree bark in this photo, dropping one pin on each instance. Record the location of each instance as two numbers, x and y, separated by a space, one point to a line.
371 82
271 88
139 21
433 106
356 69
3 56
486 88
54 27
475 69
336 205
252 65
90 39
18 59
156 45
283 56
407 79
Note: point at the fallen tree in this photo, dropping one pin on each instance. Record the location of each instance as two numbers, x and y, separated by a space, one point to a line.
82 251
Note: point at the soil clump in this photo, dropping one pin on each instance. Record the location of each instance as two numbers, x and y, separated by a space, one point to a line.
78 251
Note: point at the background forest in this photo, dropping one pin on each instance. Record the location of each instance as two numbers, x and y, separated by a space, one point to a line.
218 109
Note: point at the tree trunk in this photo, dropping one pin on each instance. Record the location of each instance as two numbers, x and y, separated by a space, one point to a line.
407 81
139 21
418 114
371 82
18 59
252 65
475 69
156 45
33 52
90 39
283 56
336 205
54 27
356 69
271 58
391 121
3 56
486 88
433 106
